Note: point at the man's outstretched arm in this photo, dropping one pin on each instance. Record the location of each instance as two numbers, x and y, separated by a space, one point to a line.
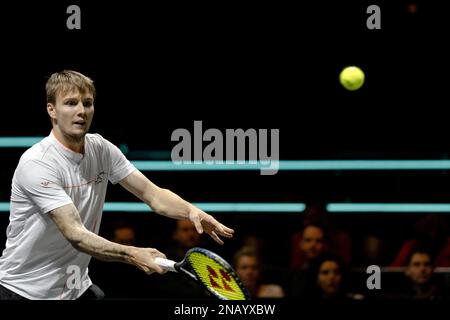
69 223
167 203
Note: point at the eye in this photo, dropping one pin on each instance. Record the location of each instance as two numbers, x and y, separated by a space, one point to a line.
72 103
88 103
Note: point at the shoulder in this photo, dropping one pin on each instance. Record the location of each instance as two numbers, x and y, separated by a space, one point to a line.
99 145
270 291
39 155
33 171
409 244
38 150
97 140
35 167
354 296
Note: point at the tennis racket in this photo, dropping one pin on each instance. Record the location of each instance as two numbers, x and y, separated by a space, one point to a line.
211 271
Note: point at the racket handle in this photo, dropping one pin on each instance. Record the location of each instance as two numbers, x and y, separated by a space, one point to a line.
166 264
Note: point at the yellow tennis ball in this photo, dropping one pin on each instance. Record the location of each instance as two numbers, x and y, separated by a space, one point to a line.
352 78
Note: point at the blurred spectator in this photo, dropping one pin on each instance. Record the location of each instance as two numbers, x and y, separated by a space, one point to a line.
374 250
419 281
184 237
431 231
318 236
307 245
130 283
174 285
254 242
248 267
327 280
124 234
419 271
411 8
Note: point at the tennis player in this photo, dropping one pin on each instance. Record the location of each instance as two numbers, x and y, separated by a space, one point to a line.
57 197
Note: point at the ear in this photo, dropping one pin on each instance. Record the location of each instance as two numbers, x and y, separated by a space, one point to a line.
51 110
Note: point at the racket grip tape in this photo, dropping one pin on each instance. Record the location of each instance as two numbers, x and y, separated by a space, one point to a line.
166 264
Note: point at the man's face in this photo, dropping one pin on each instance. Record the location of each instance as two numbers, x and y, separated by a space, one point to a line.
72 113
330 277
248 270
420 269
186 234
312 243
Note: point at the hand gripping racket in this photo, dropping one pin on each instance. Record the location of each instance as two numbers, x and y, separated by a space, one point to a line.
211 271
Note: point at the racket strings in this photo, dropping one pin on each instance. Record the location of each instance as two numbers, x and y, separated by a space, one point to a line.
216 277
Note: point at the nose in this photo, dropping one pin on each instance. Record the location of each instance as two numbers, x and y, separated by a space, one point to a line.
81 110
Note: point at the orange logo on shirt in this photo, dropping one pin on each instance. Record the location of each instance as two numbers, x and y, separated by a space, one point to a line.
99 178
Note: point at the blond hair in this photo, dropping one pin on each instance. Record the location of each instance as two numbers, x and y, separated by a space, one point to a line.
246 251
65 81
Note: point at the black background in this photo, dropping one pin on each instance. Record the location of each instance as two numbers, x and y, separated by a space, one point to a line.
159 67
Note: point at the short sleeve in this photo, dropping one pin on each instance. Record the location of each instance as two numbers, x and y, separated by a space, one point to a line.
121 167
42 184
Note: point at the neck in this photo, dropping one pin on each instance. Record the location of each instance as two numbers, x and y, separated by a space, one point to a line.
423 289
73 143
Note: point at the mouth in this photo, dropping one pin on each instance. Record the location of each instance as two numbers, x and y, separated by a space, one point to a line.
80 123
333 285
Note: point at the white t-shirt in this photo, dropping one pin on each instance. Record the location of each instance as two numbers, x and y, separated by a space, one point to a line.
38 262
